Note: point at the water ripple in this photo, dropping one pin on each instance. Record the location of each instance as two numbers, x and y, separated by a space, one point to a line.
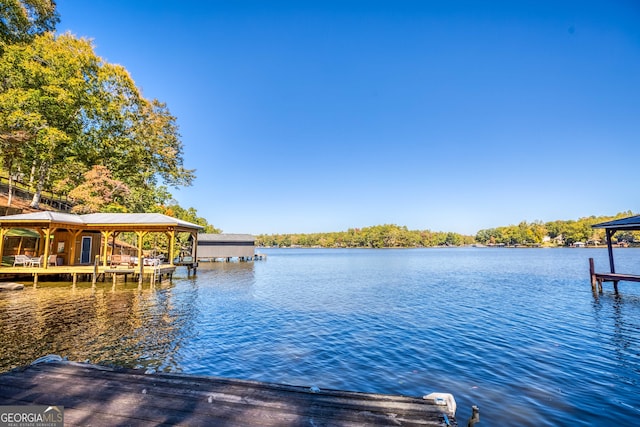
517 332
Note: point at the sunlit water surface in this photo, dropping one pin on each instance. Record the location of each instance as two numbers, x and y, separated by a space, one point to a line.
517 332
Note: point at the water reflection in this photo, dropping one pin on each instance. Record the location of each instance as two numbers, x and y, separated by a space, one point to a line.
227 274
616 317
517 332
122 325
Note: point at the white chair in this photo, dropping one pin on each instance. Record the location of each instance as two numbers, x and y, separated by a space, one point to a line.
37 261
23 260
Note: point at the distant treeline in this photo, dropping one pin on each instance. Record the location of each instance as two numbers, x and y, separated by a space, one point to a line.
559 233
378 236
555 233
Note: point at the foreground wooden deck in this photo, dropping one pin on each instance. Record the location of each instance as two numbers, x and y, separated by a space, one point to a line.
88 273
102 396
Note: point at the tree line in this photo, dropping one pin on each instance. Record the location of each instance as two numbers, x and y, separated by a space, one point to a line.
378 236
75 124
537 233
560 233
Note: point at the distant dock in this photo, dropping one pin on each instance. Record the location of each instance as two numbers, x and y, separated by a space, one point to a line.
255 257
105 396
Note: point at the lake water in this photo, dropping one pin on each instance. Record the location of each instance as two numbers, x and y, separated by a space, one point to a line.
517 332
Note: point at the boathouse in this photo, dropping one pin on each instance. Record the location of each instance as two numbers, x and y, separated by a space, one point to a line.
631 223
225 246
67 243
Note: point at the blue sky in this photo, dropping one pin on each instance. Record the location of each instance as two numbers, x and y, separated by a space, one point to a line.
317 116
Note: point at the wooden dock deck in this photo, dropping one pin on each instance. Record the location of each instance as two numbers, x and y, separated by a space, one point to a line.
88 272
105 396
598 278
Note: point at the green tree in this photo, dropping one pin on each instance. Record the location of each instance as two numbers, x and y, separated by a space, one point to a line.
539 231
41 96
21 20
191 215
71 111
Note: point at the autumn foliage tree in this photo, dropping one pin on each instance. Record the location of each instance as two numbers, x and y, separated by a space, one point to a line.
99 193
73 110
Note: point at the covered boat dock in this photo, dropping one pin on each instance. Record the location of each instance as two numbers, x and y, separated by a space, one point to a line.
79 245
611 227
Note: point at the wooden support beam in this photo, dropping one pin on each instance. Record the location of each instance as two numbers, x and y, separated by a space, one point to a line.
610 234
140 235
95 272
3 232
105 237
172 244
72 250
48 234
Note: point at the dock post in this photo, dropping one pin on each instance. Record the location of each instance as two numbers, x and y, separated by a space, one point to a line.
75 279
140 273
610 234
592 273
475 416
35 280
95 272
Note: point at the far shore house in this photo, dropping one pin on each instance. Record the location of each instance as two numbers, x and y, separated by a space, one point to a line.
68 239
225 246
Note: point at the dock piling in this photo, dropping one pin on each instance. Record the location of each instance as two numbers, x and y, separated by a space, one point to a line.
592 273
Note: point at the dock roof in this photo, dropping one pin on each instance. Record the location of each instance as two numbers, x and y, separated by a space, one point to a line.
101 220
226 237
136 218
629 223
44 216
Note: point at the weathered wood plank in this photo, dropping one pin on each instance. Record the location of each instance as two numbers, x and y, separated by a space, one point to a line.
104 396
232 396
611 277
